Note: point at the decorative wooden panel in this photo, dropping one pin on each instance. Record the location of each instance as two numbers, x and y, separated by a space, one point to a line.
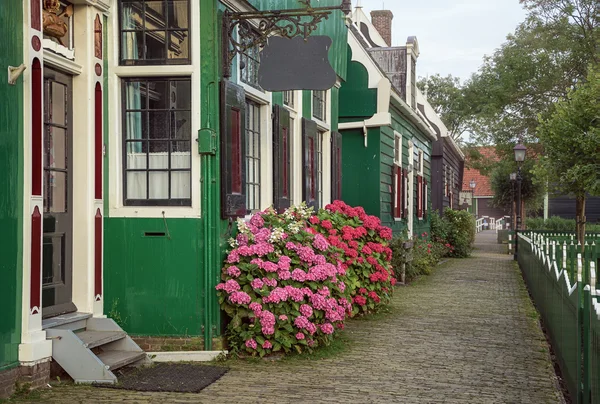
35 284
98 255
36 127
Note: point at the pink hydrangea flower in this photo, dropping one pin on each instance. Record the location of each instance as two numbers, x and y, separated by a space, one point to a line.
239 298
283 317
234 272
320 243
267 344
306 310
284 262
257 220
327 328
231 286
251 344
299 275
300 336
257 283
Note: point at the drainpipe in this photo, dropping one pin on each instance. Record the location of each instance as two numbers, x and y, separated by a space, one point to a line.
209 164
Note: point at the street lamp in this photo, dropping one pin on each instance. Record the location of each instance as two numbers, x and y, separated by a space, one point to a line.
520 152
472 185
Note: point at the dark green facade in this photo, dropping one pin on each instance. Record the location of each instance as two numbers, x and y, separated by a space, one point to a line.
367 170
11 184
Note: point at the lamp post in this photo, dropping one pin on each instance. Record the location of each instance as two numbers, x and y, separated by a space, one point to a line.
520 152
472 186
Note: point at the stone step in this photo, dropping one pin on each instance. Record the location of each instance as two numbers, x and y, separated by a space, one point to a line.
117 359
93 339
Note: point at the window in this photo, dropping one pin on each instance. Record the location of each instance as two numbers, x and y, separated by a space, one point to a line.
319 167
157 141
249 64
397 149
252 155
288 99
319 105
154 32
421 185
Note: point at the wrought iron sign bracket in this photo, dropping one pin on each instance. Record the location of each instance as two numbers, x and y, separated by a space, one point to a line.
254 27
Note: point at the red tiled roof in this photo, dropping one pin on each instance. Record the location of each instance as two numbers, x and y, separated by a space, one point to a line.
483 187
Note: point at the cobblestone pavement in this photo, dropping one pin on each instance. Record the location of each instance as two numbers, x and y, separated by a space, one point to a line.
466 334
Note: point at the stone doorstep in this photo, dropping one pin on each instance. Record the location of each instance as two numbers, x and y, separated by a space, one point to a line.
185 356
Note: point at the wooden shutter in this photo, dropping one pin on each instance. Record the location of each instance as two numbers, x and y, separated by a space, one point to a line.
336 166
309 168
233 150
425 198
281 159
405 194
419 196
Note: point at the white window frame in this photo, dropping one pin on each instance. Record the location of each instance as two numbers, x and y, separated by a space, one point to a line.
115 147
296 147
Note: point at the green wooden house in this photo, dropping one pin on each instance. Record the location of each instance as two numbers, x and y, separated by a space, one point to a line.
386 140
118 132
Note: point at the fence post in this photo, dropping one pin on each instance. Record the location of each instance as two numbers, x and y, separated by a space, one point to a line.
587 301
580 326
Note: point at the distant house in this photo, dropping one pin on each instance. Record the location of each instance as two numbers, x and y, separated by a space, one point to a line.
482 194
564 206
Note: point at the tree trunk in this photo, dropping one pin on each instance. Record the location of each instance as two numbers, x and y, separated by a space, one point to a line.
580 215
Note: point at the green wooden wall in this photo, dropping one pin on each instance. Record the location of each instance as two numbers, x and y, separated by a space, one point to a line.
155 284
11 183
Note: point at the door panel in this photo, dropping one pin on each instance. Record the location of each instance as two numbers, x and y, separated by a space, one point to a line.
57 271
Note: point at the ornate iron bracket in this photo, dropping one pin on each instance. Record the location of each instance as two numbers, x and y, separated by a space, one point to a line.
285 23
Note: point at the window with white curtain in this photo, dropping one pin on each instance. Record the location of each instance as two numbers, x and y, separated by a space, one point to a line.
157 141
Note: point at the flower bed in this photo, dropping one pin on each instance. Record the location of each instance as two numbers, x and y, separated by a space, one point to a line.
290 280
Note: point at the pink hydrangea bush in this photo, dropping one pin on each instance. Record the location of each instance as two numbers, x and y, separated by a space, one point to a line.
281 287
361 244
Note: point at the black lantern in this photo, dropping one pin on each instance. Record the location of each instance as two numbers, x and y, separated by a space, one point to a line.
520 152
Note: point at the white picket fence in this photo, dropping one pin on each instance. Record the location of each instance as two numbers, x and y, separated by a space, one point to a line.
490 223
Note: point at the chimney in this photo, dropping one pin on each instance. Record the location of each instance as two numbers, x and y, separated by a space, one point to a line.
382 21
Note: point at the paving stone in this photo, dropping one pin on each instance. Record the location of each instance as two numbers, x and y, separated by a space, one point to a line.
463 335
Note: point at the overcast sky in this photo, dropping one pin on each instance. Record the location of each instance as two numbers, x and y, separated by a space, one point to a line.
453 35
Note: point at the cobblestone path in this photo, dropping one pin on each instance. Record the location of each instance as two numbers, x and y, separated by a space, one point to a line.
466 334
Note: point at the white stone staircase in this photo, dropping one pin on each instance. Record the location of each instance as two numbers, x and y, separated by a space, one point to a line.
91 349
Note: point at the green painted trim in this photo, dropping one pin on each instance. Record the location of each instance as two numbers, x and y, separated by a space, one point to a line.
277 98
307 104
105 118
12 157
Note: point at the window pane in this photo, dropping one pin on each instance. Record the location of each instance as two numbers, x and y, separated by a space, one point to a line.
181 128
181 94
58 101
180 185
55 148
132 45
136 185
136 159
135 95
158 158
178 45
56 198
135 125
180 158
131 15
158 96
159 185
155 15
158 123
178 14
155 45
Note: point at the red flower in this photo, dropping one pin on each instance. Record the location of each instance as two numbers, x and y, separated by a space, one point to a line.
360 300
362 291
326 224
314 220
393 281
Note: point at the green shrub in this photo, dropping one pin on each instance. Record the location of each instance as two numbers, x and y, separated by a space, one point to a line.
557 223
425 254
461 233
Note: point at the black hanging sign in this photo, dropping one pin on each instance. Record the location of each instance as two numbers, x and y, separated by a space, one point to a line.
296 64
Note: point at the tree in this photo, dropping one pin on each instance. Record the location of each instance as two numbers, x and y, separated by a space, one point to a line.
571 141
547 55
505 190
445 94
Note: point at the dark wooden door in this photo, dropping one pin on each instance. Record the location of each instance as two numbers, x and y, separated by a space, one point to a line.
57 252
